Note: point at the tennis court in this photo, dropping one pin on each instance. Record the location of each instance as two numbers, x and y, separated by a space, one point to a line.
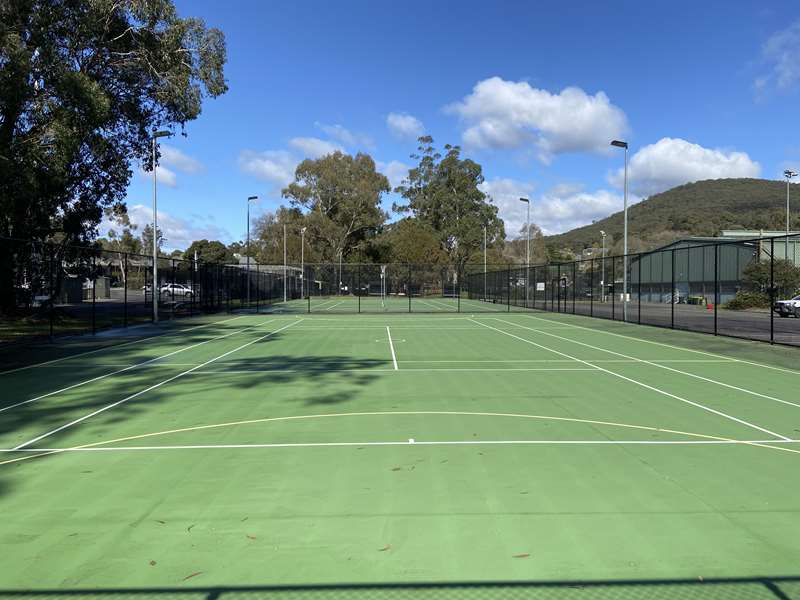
460 448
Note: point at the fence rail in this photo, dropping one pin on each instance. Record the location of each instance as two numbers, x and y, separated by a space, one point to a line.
731 287
725 288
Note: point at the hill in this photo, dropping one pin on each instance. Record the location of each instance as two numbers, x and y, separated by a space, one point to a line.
703 208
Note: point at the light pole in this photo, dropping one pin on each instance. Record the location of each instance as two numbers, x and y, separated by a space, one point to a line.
624 145
284 262
603 269
302 262
788 173
527 246
249 200
156 291
484 263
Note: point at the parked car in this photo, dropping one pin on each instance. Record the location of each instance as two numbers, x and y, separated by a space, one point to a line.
176 290
786 308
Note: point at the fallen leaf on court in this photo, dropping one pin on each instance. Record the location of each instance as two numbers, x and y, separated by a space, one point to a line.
245 519
443 461
699 578
160 521
195 574
252 537
189 528
385 548
523 555
152 563
397 469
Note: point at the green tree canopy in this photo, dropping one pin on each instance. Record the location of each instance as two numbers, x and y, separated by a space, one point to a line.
411 241
82 85
267 244
341 195
212 251
443 193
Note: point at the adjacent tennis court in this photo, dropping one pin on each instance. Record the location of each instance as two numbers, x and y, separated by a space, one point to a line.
372 449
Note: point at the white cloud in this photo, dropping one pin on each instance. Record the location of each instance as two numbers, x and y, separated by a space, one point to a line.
345 136
180 161
673 161
164 175
780 53
506 194
511 114
274 166
404 126
179 233
394 170
559 209
312 147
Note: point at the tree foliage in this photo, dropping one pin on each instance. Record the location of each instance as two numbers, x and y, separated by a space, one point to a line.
82 84
341 195
443 193
785 275
210 251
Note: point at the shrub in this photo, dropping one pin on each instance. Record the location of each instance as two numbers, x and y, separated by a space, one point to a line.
744 300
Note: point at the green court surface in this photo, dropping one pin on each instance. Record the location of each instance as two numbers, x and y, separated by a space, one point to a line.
454 455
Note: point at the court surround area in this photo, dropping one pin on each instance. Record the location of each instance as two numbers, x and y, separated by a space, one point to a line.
469 454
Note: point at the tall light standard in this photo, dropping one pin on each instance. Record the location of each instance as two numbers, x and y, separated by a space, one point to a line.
603 269
484 263
527 247
620 144
249 200
284 262
155 288
788 173
302 262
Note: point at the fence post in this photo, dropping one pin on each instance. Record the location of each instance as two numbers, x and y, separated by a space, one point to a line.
772 290
716 283
50 285
192 266
672 294
94 286
613 288
408 289
591 287
125 291
458 289
639 261
508 288
574 283
358 276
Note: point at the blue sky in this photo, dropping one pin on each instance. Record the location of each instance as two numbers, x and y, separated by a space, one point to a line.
532 91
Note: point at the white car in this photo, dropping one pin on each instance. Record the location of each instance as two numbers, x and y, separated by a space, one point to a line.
176 290
787 308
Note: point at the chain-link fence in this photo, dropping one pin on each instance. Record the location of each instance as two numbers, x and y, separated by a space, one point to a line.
741 288
746 288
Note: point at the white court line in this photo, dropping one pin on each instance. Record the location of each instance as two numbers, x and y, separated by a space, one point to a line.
635 339
409 443
334 305
660 366
134 366
115 346
639 383
391 345
152 387
368 370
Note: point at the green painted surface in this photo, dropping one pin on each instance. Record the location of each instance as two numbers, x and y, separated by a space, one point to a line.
275 450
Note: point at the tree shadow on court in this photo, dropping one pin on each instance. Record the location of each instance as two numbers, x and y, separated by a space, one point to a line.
322 380
737 588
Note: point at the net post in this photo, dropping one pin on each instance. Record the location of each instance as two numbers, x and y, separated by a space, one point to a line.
772 290
672 294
